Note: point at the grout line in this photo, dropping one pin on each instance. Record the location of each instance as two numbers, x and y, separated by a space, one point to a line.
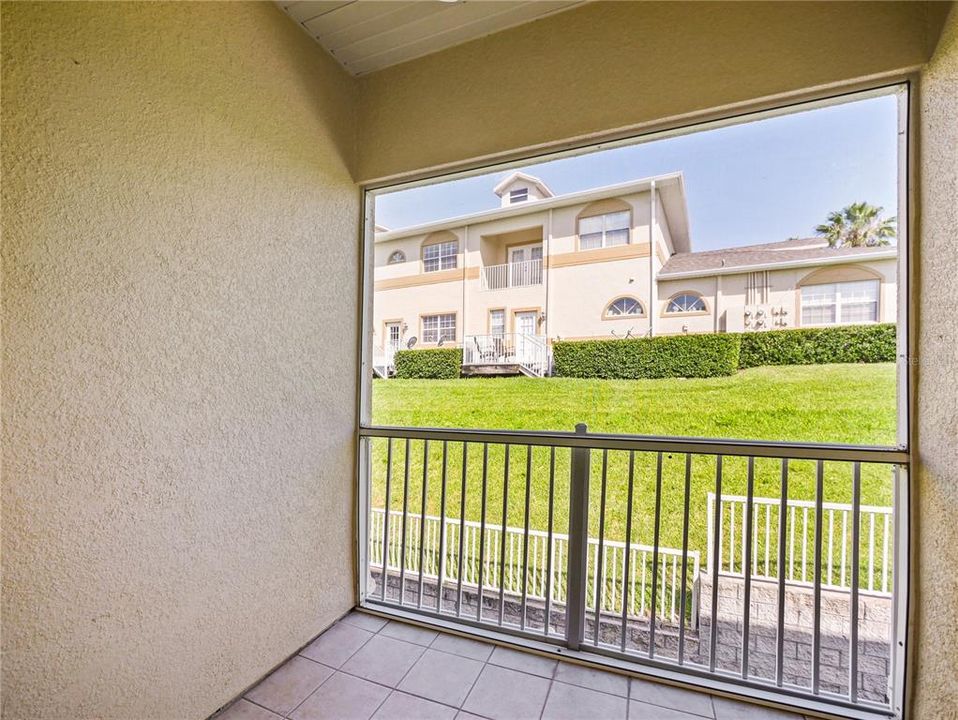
253 702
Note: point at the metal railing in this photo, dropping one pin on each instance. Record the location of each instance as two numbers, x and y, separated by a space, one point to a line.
440 560
516 274
837 525
529 352
435 546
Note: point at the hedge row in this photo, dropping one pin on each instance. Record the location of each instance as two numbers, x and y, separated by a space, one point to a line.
432 363
814 346
693 356
661 357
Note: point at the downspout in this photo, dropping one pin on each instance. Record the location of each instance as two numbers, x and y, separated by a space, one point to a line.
653 289
546 272
465 279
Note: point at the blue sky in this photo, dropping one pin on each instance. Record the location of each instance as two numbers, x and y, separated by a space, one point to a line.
756 182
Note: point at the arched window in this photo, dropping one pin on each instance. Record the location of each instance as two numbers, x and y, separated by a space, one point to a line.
685 303
397 257
624 307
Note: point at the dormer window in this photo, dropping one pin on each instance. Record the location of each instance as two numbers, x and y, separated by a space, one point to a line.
518 196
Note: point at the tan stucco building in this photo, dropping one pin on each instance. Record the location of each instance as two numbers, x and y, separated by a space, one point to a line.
611 262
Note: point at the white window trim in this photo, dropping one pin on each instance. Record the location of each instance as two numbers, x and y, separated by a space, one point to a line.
838 304
440 330
441 256
605 230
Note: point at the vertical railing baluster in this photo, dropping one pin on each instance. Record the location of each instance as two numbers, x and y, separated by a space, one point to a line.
578 554
817 607
389 472
844 558
422 517
871 551
502 537
442 527
747 566
600 559
685 556
731 537
462 529
884 552
804 543
627 576
831 549
780 627
655 551
645 563
550 551
525 539
716 566
482 529
856 570
768 535
405 512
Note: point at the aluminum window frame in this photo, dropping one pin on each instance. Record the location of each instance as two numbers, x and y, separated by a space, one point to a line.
839 303
904 86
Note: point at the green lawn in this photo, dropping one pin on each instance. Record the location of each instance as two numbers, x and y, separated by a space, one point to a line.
823 403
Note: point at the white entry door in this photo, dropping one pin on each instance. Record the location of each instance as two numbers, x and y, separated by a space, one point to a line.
525 330
522 272
393 339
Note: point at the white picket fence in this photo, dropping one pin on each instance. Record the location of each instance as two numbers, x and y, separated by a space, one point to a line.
876 525
446 564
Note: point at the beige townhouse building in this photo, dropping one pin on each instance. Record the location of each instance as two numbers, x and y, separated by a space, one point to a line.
611 262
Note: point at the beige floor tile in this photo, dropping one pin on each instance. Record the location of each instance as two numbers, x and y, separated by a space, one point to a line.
726 709
466 647
342 697
593 679
384 660
365 621
409 633
571 702
400 706
644 711
526 662
336 645
289 685
245 710
504 694
442 677
689 701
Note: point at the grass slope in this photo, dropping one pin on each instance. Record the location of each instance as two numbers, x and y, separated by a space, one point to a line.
823 403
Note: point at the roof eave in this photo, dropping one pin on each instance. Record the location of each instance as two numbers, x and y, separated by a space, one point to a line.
781 265
530 206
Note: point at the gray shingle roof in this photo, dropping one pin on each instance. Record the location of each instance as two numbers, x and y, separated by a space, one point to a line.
795 250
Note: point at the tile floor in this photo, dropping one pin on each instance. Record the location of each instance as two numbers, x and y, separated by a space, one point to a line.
366 667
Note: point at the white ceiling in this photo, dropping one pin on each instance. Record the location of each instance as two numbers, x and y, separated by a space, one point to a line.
369 35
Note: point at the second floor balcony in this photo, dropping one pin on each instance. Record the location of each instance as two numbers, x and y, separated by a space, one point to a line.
514 274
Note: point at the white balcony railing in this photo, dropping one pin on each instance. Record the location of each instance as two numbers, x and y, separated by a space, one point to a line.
593 542
518 274
529 352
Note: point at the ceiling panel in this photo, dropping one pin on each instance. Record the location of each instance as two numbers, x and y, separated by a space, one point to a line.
368 35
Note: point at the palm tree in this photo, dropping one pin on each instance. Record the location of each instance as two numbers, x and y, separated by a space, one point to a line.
857 225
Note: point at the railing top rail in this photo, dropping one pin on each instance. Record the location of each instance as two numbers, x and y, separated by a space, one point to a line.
865 509
648 443
635 547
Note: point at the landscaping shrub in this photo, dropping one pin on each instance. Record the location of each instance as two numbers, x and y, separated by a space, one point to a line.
676 356
815 346
431 363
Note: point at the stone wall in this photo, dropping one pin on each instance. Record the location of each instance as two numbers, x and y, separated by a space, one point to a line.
873 643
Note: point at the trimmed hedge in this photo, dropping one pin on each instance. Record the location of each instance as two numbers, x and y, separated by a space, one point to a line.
693 356
814 346
429 364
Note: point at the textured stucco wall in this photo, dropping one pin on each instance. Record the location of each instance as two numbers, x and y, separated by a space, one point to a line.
615 64
935 491
179 286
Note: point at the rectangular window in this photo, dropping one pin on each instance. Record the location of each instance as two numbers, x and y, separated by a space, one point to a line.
439 327
604 230
516 196
840 303
497 322
440 256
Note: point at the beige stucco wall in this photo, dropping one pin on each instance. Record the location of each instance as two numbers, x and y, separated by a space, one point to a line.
610 65
179 225
935 491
